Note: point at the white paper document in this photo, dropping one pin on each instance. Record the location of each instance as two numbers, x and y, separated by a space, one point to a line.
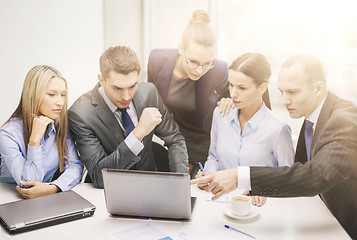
147 230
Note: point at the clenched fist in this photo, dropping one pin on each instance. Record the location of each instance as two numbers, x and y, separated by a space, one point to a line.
150 118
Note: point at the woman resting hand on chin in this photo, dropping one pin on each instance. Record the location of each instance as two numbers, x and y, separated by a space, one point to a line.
35 142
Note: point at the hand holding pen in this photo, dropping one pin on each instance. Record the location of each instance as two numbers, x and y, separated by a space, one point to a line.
201 168
199 174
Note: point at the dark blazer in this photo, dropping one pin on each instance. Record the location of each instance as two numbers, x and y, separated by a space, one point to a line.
100 139
332 171
209 88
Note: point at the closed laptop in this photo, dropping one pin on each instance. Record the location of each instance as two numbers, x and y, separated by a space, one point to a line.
34 213
148 194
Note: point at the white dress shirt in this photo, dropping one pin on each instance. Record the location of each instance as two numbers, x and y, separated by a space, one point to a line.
265 141
36 163
244 171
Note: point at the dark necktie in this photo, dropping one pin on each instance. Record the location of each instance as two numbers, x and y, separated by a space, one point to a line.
126 121
308 137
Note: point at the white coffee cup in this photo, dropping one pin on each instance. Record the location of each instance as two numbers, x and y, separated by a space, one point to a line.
241 205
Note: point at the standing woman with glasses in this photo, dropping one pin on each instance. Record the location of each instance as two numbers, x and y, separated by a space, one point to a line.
35 142
191 81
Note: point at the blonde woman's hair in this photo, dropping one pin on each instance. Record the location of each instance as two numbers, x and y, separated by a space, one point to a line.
33 90
199 30
120 59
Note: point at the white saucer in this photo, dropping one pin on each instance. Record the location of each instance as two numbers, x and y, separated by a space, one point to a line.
255 212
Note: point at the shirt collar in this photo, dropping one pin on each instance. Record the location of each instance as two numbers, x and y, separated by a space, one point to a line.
233 115
51 128
257 117
254 121
110 104
316 113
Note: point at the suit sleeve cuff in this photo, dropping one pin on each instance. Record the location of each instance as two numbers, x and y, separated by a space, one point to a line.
244 178
134 144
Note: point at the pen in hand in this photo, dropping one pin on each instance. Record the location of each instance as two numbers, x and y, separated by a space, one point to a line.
201 168
204 174
228 227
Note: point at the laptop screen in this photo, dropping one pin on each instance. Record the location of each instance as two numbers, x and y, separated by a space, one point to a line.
147 194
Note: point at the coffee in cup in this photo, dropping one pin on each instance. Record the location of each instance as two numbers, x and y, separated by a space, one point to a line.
241 205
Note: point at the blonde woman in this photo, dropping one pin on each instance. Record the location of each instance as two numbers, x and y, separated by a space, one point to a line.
191 81
35 143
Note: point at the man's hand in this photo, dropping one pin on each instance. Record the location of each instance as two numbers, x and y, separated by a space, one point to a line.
256 200
219 183
39 126
150 118
36 189
225 105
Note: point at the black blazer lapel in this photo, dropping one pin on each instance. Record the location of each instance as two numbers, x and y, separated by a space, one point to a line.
323 118
164 76
301 155
325 113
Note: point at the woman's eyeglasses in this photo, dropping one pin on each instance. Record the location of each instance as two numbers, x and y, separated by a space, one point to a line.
195 64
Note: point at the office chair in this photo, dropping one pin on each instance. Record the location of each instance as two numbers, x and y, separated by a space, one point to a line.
161 157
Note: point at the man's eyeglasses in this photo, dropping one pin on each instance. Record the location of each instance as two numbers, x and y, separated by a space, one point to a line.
195 64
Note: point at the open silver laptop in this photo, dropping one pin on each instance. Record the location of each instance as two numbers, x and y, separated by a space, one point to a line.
29 214
148 194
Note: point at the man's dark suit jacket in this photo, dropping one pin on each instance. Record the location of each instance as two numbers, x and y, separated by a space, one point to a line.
209 88
100 139
332 171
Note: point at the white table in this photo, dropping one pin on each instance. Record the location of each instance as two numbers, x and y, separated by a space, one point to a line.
285 218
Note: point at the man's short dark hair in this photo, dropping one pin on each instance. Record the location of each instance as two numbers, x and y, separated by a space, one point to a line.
120 59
